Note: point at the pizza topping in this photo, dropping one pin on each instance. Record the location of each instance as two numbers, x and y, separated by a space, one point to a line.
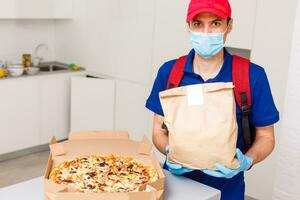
103 173
68 181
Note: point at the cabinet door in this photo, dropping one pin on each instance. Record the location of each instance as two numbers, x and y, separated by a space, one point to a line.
55 101
36 9
19 114
62 9
7 9
33 8
243 14
92 104
131 114
55 107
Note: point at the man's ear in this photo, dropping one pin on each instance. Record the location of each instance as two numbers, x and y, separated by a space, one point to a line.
188 27
230 26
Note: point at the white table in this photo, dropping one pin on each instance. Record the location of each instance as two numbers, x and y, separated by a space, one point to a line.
177 188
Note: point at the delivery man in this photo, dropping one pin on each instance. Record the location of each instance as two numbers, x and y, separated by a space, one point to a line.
209 22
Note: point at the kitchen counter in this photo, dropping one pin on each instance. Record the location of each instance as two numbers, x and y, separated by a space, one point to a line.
177 188
43 73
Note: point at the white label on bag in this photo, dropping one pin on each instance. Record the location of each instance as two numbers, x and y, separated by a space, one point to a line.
195 95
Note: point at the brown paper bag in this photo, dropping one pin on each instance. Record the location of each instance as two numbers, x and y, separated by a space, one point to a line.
202 125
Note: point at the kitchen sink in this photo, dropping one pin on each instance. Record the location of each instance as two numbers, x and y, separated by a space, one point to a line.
52 67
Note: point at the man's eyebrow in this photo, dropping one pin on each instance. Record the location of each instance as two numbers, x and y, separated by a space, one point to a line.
217 20
196 20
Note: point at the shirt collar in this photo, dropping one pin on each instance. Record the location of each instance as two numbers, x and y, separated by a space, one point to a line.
189 63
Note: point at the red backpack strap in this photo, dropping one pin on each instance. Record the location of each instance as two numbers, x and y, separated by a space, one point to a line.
241 79
177 73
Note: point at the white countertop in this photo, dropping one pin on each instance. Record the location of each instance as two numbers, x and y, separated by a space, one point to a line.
177 188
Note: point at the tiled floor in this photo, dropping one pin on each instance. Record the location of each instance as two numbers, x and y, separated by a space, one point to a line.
23 168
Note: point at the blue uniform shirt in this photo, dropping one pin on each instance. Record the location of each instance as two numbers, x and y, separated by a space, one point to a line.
263 112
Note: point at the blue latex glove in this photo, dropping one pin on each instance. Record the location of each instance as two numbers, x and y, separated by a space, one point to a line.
224 172
176 168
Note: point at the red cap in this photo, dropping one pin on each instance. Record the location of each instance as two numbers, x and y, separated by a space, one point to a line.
220 8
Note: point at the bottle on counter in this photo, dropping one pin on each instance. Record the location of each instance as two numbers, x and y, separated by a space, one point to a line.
26 60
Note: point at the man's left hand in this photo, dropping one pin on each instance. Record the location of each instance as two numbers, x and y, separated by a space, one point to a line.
224 172
176 169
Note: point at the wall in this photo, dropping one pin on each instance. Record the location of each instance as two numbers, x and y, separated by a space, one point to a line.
22 36
111 37
288 162
271 49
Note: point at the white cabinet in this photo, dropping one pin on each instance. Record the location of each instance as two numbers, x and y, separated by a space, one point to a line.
130 112
55 107
55 101
7 9
102 104
19 114
92 104
36 9
244 17
33 110
55 98
62 9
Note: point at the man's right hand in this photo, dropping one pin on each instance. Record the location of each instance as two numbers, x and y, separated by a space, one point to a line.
176 169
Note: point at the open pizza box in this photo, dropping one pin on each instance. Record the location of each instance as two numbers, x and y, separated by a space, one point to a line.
102 143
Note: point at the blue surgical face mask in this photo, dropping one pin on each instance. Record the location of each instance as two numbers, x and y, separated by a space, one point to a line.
207 44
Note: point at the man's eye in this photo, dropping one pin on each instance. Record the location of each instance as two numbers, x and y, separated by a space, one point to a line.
216 24
196 24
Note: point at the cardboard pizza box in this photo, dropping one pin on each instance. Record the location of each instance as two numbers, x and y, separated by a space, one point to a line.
103 143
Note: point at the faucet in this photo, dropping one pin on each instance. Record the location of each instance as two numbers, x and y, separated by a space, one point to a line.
37 59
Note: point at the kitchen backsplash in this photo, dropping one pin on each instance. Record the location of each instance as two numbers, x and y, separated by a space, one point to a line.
22 36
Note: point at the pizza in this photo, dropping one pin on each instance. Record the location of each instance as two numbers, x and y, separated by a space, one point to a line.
103 173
